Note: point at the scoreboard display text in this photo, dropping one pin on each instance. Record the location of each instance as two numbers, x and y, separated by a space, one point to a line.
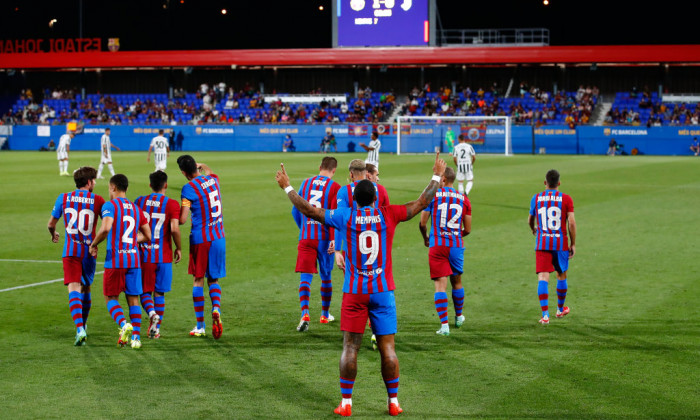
382 23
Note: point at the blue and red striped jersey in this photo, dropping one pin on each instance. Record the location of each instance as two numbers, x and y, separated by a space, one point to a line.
345 199
160 210
320 191
79 210
551 208
122 246
446 212
203 196
369 233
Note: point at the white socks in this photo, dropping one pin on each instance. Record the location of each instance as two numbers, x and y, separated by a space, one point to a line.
460 187
469 187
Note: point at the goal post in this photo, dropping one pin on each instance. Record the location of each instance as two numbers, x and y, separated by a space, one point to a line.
487 134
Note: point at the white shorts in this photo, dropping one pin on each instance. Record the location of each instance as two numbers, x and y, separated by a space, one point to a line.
62 155
161 161
461 176
106 160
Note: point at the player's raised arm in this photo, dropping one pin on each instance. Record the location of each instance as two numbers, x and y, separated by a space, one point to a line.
304 207
204 169
414 207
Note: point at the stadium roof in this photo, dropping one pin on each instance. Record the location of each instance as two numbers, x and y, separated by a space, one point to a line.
616 54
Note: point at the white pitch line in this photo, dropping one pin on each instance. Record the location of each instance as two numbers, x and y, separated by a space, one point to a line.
36 261
38 284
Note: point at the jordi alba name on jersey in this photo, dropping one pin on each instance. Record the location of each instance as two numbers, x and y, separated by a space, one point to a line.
79 210
203 196
159 210
320 191
446 212
551 207
369 233
122 246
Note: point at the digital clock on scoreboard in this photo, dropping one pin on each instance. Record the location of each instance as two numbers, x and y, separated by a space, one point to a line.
381 23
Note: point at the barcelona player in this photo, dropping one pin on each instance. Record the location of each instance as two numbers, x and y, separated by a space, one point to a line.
316 242
201 197
554 213
122 221
157 255
368 290
450 216
79 210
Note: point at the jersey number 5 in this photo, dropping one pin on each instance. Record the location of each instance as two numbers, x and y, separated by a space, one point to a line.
215 203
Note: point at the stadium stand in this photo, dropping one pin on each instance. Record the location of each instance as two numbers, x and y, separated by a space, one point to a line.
632 108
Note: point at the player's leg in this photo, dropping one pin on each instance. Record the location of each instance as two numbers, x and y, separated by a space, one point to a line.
99 169
72 276
460 181
440 298
148 281
89 264
216 269
164 281
307 254
382 311
159 300
562 268
197 267
325 266
133 290
457 265
470 183
440 270
543 267
354 312
111 168
112 287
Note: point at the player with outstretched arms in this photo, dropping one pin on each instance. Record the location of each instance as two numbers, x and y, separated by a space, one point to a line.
373 149
106 146
450 216
201 197
316 242
123 226
368 290
79 209
62 152
464 157
157 255
554 213
161 151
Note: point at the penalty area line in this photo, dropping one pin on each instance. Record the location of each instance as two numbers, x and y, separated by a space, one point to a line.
37 284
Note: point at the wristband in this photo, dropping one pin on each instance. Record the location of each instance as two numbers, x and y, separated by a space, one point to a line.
288 189
436 178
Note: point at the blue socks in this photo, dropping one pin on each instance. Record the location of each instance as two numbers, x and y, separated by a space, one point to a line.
198 301
441 306
543 292
458 300
562 287
305 292
75 304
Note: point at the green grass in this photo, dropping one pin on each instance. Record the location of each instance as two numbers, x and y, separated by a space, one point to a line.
629 348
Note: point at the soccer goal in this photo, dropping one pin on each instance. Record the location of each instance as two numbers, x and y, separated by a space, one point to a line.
423 134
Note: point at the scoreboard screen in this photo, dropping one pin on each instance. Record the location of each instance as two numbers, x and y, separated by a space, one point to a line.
381 23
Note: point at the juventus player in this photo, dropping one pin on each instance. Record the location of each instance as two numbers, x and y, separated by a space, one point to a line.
373 149
161 151
62 153
106 154
464 157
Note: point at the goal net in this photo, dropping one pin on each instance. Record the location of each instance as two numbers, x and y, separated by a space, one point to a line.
423 134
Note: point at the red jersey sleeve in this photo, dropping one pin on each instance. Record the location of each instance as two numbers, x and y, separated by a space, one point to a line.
99 202
396 214
172 210
467 207
568 204
144 218
333 204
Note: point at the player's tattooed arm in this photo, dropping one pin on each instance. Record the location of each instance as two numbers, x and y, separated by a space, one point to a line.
302 205
415 207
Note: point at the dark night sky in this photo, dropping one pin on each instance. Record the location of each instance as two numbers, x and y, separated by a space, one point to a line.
199 24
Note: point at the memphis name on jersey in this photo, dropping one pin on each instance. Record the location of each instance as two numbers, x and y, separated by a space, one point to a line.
369 233
79 210
160 210
551 207
204 197
122 244
320 191
446 212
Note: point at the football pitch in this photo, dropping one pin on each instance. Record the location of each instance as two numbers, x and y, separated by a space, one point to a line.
629 349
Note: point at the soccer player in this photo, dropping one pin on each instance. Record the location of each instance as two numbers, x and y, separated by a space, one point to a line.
695 146
450 140
316 241
554 212
373 149
161 151
369 283
201 197
122 220
450 216
464 157
106 146
62 152
79 209
163 214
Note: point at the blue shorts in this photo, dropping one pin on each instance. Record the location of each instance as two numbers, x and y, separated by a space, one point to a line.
208 259
79 270
311 251
117 280
445 261
548 261
157 277
380 308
